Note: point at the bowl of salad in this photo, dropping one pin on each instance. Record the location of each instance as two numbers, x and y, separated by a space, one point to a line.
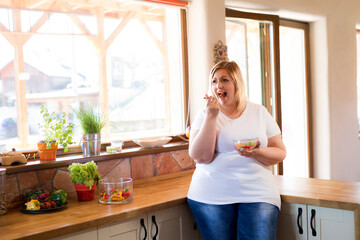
116 191
245 144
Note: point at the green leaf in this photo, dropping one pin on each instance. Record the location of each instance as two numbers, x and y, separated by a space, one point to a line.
86 173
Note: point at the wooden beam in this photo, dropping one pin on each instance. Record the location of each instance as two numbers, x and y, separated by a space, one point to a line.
163 49
7 34
185 65
119 28
45 17
37 3
103 89
20 85
76 20
85 31
113 9
157 42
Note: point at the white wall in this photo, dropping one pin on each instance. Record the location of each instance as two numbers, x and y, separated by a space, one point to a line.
206 27
333 70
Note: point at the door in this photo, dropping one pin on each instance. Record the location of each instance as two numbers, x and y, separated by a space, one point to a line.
253 42
292 222
133 229
89 234
330 224
295 98
172 223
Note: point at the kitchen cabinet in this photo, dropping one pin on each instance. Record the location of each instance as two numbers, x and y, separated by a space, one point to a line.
307 222
89 234
174 223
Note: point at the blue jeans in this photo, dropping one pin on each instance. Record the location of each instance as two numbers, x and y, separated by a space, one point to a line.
241 221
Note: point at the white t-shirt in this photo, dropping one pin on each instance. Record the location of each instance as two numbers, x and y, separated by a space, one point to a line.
230 177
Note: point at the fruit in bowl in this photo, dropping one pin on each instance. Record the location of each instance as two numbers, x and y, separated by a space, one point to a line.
116 191
247 144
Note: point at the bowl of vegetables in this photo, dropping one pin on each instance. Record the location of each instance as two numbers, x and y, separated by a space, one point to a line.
116 191
245 144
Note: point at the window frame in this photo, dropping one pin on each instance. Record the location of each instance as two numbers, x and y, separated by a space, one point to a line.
277 22
305 26
231 13
358 71
20 85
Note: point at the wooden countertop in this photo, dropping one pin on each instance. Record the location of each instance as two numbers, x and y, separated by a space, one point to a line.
162 192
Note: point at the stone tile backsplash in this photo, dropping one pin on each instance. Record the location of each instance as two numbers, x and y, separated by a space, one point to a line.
137 167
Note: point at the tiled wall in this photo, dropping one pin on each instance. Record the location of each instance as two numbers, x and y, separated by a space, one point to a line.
59 178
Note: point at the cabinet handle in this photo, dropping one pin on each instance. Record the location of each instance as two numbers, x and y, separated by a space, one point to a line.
313 213
157 229
143 225
301 231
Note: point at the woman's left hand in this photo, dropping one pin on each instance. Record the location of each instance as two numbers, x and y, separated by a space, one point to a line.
274 153
248 152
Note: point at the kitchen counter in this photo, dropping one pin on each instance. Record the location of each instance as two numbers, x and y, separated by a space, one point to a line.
163 192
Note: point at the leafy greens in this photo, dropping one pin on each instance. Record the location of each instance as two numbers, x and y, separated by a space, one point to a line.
84 173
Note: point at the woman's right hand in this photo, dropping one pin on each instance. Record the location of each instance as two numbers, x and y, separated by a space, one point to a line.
212 106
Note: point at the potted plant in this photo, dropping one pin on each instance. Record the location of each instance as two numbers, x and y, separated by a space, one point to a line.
85 176
56 132
91 122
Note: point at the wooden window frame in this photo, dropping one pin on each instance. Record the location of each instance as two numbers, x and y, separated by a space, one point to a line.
230 13
305 27
102 43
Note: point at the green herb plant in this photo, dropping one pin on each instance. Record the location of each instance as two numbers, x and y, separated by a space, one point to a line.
31 156
91 120
84 173
55 129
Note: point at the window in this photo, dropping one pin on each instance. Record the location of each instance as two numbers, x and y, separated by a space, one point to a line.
124 58
295 94
253 43
276 74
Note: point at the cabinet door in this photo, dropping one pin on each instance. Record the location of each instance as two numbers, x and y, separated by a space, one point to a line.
169 224
330 223
132 229
90 234
292 222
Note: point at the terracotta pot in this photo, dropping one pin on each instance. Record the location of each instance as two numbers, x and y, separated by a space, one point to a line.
47 154
84 193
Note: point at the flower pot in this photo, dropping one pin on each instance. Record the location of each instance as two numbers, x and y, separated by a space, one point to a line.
47 154
84 193
91 144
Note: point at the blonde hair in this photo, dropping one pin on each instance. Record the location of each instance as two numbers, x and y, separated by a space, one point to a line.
236 76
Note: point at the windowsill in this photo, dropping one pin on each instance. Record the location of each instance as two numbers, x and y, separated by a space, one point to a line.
130 149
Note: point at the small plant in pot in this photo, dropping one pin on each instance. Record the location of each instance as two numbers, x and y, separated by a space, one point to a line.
91 122
85 177
56 132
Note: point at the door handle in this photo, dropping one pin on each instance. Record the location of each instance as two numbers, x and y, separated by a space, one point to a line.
313 213
301 231
143 225
156 226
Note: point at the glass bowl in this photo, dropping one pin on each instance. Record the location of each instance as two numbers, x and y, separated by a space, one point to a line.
247 144
115 191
